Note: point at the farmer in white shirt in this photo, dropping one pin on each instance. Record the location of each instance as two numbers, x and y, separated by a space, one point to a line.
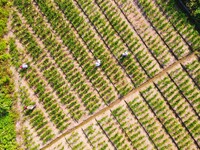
125 54
30 107
98 63
24 66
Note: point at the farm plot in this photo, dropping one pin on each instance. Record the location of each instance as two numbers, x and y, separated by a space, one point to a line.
157 116
77 101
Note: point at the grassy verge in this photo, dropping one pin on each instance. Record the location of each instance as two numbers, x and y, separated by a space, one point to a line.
7 117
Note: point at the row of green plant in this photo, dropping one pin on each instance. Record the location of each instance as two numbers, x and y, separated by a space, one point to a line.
131 128
35 117
60 57
169 117
181 22
72 75
66 65
94 44
7 98
129 37
181 106
136 66
150 123
59 85
115 75
161 111
165 28
74 141
111 42
147 34
187 87
38 85
90 101
194 69
29 142
59 147
62 90
112 129
96 137
25 38
55 112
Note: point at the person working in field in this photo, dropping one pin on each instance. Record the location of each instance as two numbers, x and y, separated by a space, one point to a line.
98 63
124 54
30 107
24 66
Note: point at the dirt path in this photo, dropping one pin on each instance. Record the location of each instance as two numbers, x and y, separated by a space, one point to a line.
171 67
17 108
19 122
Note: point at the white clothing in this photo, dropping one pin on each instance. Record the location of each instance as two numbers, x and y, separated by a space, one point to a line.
31 107
125 53
98 63
24 66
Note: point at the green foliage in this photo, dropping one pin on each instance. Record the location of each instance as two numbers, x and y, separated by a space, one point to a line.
7 130
7 134
2 46
7 124
3 21
3 2
194 7
5 104
5 82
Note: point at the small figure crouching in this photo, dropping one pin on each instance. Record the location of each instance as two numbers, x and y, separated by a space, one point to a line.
30 107
124 54
24 66
98 63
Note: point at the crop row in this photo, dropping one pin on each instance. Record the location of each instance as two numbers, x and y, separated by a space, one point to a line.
146 31
193 70
77 141
62 90
29 141
130 37
136 135
63 39
160 116
187 87
112 40
92 40
112 71
59 84
173 123
36 118
45 96
65 63
165 28
97 138
180 105
180 22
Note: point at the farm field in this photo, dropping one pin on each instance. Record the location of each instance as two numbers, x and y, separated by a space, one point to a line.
149 99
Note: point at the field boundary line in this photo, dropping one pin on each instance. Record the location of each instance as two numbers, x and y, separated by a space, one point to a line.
151 80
